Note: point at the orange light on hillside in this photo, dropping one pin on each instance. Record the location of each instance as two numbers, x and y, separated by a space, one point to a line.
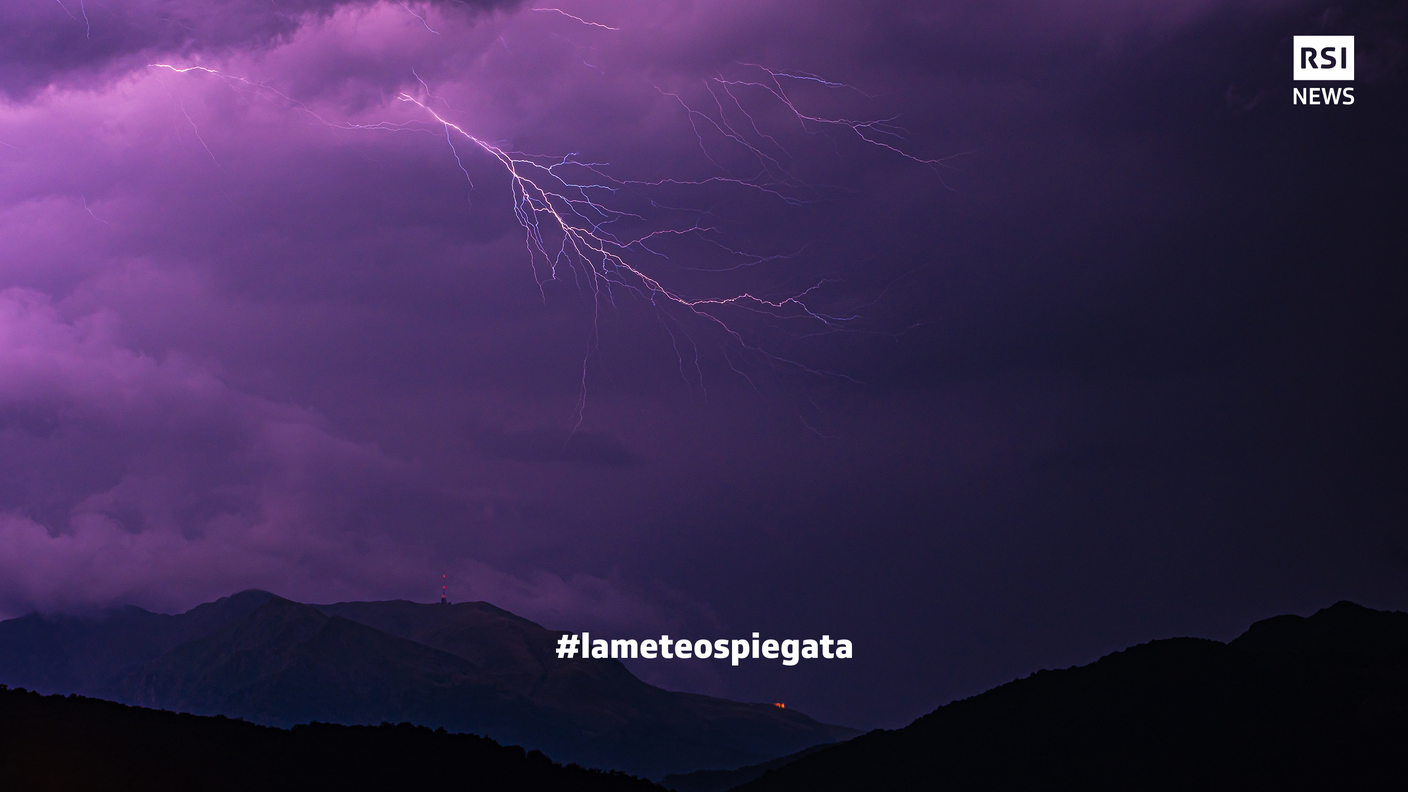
780 704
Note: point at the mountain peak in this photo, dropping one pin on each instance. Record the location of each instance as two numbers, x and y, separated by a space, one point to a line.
1343 627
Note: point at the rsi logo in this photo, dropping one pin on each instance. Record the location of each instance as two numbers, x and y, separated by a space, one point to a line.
1323 58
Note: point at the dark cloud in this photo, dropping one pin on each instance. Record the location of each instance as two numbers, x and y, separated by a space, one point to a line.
70 43
37 420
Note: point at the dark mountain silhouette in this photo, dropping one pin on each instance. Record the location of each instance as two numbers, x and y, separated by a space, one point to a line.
724 780
77 743
467 668
1294 703
82 653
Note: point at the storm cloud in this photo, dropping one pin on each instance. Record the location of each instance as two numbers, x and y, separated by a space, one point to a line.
78 44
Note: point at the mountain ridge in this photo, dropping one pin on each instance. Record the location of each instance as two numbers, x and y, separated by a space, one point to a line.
78 743
1317 702
470 667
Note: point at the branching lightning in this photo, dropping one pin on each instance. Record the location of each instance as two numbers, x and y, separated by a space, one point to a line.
882 133
572 226
566 227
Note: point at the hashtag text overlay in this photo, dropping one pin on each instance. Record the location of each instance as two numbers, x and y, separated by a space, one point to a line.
791 651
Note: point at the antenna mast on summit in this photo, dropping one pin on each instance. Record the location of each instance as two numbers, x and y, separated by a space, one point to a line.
443 601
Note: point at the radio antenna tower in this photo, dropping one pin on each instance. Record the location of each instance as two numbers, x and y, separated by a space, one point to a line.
443 601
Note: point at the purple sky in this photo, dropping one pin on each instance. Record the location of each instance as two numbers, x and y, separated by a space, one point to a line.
1125 361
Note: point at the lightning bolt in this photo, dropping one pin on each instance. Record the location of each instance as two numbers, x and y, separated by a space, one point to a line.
550 207
88 26
563 205
880 133
576 18
89 209
418 16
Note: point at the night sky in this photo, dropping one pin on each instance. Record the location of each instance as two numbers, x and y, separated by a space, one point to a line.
1097 339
